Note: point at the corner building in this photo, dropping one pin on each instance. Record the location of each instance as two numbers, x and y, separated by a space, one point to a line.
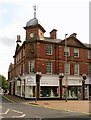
47 55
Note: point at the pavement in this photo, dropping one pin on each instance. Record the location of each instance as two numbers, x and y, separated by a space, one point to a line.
81 106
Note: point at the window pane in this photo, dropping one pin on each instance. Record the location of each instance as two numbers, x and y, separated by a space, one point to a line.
76 69
76 52
89 54
49 49
89 69
67 68
66 51
31 66
49 67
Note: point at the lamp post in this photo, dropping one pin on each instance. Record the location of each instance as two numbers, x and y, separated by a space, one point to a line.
66 79
38 77
83 86
61 76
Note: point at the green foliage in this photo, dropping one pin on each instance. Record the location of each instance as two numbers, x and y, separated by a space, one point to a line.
3 82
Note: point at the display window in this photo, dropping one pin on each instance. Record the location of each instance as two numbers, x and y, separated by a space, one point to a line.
72 92
46 91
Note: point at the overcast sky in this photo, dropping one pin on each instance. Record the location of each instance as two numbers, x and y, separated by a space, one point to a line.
67 16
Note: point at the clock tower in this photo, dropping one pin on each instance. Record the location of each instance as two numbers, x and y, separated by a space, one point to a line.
33 29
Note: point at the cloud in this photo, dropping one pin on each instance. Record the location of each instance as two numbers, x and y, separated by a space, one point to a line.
7 41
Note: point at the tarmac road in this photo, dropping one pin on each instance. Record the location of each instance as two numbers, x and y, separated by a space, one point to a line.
12 110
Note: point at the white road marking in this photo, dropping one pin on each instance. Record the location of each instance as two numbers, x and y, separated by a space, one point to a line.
17 111
19 116
5 112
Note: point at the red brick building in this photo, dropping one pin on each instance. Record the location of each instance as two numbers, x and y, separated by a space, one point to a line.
48 55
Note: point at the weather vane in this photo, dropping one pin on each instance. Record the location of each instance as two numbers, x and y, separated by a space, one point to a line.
35 7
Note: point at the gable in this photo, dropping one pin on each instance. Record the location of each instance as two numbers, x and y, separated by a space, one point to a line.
74 42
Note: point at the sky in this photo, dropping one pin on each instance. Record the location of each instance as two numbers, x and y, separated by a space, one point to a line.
67 16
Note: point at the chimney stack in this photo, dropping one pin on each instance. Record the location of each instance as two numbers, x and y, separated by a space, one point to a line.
53 34
18 39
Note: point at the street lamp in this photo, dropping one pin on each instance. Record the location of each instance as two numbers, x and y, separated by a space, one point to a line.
38 77
61 76
83 86
66 79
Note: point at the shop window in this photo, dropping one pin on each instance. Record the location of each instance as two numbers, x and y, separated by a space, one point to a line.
48 91
72 92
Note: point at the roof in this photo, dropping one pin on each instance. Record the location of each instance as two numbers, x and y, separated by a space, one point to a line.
52 40
87 45
32 22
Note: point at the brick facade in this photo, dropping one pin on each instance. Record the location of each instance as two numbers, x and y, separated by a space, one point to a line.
34 49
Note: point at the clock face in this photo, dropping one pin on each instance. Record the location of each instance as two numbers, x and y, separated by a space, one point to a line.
31 35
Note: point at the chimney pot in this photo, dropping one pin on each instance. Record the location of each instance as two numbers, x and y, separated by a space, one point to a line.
18 38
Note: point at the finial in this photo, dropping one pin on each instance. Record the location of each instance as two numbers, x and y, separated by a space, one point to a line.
35 7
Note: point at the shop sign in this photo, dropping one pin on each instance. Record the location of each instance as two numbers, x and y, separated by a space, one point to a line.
30 80
49 81
72 82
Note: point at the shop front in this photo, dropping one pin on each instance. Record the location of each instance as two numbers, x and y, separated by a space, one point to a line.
74 87
88 88
49 86
30 86
25 86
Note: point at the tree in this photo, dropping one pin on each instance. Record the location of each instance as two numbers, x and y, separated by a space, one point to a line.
3 83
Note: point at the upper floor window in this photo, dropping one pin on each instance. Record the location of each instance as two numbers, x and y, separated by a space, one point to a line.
31 48
49 67
76 52
31 66
89 54
66 51
76 69
89 69
67 68
49 49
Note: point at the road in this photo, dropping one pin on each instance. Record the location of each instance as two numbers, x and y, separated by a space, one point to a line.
10 111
